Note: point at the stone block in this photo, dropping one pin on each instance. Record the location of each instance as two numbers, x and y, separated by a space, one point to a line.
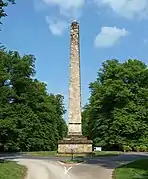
74 148
77 144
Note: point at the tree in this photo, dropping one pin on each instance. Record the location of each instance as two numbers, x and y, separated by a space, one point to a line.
4 4
117 113
30 118
85 120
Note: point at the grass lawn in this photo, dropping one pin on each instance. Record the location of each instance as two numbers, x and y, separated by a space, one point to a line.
106 153
135 170
42 153
54 153
11 170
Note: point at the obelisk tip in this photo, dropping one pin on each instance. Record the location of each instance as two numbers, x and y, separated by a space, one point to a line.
75 22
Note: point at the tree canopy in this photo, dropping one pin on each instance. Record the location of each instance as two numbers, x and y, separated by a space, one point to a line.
117 114
30 118
3 4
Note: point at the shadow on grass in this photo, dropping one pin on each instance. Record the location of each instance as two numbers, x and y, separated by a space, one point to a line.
134 170
72 161
105 155
142 176
10 155
3 161
145 175
138 164
7 154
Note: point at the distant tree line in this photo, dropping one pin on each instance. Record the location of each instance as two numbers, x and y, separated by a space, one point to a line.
116 116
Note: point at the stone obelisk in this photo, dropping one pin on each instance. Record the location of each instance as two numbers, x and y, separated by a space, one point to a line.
74 118
75 140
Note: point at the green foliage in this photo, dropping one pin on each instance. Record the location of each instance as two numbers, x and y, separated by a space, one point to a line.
85 120
3 4
30 118
141 148
126 148
117 113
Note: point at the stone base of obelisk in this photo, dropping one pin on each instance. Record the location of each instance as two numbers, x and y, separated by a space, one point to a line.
76 144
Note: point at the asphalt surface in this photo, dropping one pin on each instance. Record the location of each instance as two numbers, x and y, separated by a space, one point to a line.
92 168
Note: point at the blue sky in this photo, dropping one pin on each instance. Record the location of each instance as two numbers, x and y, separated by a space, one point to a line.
108 29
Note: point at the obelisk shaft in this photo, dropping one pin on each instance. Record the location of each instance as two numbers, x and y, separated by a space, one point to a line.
75 142
74 126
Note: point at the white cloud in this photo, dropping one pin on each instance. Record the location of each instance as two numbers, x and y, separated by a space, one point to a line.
39 5
66 4
109 36
145 41
57 27
70 8
127 8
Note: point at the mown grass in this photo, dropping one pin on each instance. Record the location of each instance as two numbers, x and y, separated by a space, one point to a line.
106 153
134 170
95 154
11 170
42 153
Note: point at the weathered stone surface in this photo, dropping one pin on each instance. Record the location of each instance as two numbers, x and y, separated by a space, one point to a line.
75 129
79 143
77 148
74 118
75 140
75 137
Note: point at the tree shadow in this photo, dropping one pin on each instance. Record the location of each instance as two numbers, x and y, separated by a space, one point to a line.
137 169
112 162
3 161
10 155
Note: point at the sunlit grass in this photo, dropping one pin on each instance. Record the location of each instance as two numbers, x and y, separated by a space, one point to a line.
11 170
135 170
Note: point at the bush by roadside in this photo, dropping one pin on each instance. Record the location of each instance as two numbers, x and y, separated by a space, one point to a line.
140 148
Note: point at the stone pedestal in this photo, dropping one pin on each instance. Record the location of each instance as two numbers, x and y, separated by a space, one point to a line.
75 144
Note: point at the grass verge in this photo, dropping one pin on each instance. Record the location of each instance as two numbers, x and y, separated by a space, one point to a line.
134 170
106 153
11 170
95 154
72 161
42 153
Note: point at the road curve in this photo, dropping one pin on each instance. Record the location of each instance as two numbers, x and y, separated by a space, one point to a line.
92 168
40 169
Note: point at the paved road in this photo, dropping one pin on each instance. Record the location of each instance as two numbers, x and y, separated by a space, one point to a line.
92 168
102 168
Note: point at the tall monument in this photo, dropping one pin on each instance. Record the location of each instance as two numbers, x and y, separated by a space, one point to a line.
74 118
75 140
